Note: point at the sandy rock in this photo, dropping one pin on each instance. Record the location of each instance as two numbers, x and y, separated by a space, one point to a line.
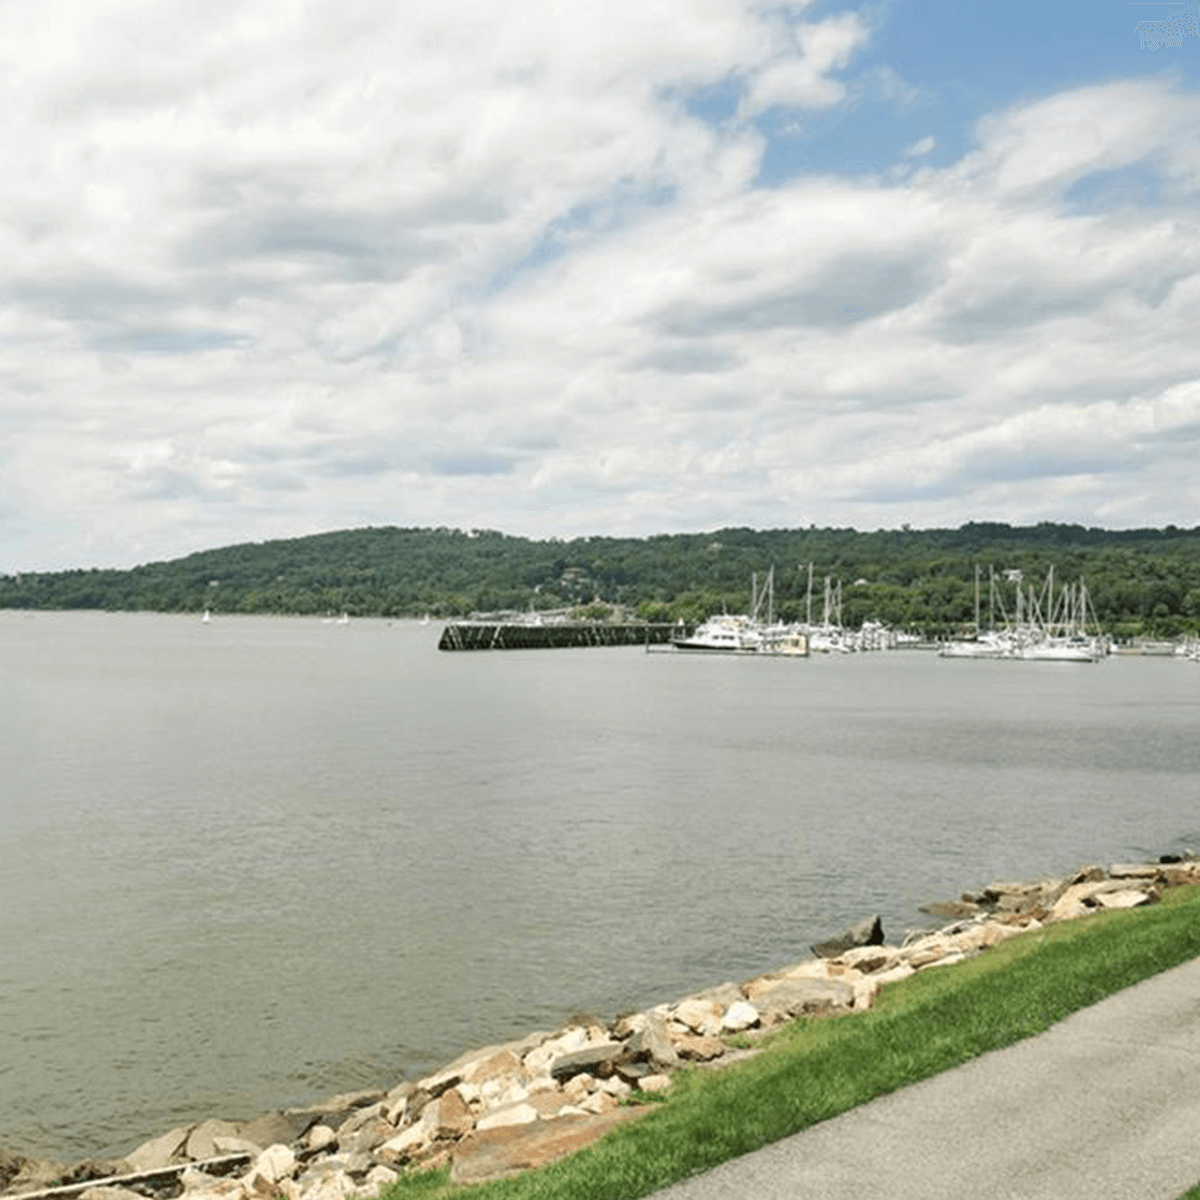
200 1142
869 959
515 1114
579 1086
652 1043
901 970
866 992
380 1177
236 1145
794 997
450 1115
1126 898
700 1016
599 1102
503 1065
408 1144
160 1151
694 1048
110 1192
654 1083
274 1164
320 1137
507 1150
740 1015
1148 871
597 1057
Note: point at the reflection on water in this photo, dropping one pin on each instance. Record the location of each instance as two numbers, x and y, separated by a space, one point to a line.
253 862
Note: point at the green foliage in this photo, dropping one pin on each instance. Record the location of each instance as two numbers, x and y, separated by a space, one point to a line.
1141 581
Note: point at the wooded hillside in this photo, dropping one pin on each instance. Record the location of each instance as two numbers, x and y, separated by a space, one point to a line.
1143 581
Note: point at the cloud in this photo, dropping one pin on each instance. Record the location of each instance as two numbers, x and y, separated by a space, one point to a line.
270 268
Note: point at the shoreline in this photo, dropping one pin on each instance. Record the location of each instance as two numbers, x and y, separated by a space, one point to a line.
504 1108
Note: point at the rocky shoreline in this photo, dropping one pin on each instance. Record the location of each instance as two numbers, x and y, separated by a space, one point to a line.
506 1108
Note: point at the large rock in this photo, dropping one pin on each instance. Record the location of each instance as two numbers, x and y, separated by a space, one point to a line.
797 997
450 1115
700 1016
159 1152
651 1043
868 932
507 1150
200 1144
597 1058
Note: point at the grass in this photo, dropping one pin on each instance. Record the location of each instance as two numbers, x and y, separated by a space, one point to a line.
815 1069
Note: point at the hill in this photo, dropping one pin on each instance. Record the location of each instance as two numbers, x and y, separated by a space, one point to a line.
1143 581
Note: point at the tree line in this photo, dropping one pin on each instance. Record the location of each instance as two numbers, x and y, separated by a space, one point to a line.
1141 582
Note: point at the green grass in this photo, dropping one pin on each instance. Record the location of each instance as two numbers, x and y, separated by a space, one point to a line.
815 1069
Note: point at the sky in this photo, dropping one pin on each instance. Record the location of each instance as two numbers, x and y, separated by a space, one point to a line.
271 268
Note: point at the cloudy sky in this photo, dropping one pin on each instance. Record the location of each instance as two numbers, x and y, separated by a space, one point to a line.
269 268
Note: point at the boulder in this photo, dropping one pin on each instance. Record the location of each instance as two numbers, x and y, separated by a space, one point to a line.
700 1016
795 997
450 1115
952 908
740 1015
869 959
1150 871
868 932
160 1151
1126 898
110 1192
514 1114
274 1127
200 1142
503 1065
597 1058
652 1044
694 1048
507 1150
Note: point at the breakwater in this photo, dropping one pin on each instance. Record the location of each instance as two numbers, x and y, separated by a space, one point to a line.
519 635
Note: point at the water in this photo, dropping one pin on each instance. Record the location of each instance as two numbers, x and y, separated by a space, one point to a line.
250 863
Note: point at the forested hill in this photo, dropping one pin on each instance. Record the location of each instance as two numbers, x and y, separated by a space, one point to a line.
1140 581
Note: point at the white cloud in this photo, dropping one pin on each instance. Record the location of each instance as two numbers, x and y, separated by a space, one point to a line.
273 268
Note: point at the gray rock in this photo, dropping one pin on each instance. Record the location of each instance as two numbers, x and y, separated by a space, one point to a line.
160 1151
200 1142
796 997
868 932
597 1058
652 1043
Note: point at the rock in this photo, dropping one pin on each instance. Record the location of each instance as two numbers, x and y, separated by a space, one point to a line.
866 933
450 1116
741 1014
110 1192
320 1137
408 1144
599 1102
274 1127
597 1058
869 959
866 992
274 1164
504 1064
200 1142
95 1168
1126 898
506 1150
236 1145
1149 871
951 908
794 997
652 1043
160 1151
514 1114
654 1083
693 1048
380 1177
701 1016
893 974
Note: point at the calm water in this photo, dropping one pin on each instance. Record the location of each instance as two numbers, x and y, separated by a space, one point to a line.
251 863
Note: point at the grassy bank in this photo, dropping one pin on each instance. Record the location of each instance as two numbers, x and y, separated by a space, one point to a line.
815 1069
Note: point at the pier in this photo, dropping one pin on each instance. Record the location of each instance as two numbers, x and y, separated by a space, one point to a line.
518 635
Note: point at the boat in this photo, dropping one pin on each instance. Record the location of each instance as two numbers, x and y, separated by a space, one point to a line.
723 634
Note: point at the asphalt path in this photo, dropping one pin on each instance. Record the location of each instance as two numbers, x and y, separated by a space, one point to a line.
1105 1104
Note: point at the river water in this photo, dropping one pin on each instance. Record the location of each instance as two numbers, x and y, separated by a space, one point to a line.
250 863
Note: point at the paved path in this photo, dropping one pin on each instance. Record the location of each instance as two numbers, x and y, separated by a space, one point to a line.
1103 1106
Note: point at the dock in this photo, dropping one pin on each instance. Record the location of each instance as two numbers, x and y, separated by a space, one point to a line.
518 635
